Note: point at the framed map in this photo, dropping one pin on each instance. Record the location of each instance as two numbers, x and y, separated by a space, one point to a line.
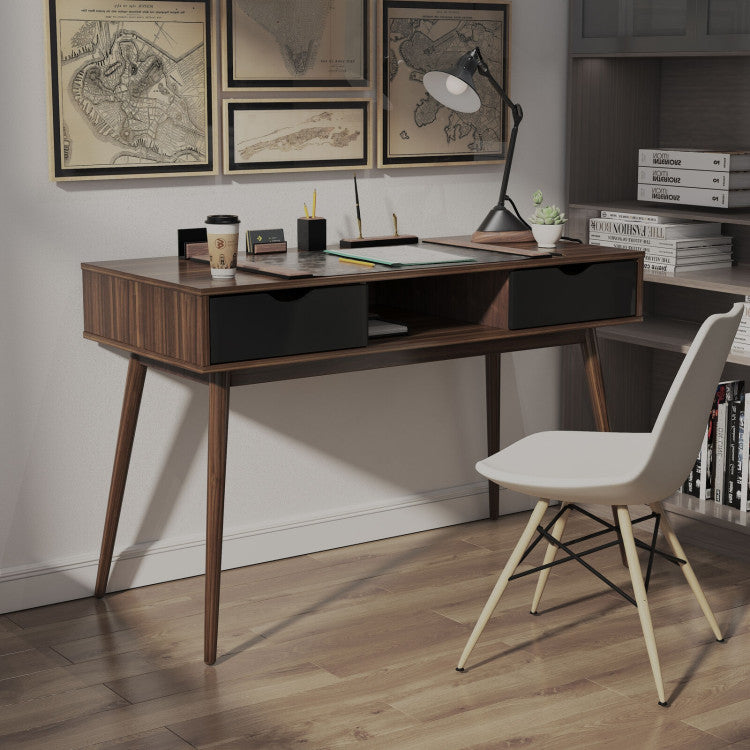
293 136
130 89
415 37
296 44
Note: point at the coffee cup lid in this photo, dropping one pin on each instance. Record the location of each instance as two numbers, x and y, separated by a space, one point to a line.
222 219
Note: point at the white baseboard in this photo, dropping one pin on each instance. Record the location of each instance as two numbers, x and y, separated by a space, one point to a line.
168 560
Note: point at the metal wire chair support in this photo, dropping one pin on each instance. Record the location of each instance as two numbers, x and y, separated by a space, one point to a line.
543 533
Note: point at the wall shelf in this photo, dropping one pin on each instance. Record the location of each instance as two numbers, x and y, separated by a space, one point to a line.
634 87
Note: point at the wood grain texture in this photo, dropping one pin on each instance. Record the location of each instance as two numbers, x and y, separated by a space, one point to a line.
492 390
131 405
218 422
145 317
357 646
613 111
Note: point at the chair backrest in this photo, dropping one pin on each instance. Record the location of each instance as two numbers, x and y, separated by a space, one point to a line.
681 424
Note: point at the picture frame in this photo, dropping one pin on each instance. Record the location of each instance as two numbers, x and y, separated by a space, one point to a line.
296 44
283 135
415 36
130 89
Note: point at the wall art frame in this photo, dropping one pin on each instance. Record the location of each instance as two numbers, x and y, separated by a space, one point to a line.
296 44
299 135
130 89
415 36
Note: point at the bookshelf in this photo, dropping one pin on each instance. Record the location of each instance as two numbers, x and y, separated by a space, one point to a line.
638 78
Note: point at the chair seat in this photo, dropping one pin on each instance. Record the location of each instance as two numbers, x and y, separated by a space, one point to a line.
595 467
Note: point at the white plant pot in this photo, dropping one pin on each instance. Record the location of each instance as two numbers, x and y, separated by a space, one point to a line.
546 235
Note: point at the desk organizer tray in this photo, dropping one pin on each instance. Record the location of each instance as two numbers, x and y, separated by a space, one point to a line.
287 322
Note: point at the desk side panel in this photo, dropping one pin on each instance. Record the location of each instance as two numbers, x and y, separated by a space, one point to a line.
146 318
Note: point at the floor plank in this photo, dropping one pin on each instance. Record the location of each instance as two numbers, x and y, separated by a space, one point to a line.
358 646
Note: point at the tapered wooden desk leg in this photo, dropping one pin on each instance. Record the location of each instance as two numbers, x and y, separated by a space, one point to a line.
593 366
218 422
131 404
492 387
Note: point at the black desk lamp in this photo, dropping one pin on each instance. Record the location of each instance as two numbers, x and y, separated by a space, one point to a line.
455 89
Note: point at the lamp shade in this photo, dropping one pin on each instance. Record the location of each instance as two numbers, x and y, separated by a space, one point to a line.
455 88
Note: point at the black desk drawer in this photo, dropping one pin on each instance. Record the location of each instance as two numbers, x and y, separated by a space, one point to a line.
289 321
572 294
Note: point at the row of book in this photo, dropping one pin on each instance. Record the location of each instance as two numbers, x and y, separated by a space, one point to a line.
721 471
669 245
741 343
694 178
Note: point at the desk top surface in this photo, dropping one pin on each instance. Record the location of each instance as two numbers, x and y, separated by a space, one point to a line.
194 277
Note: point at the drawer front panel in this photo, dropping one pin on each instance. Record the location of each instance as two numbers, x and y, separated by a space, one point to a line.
287 322
572 294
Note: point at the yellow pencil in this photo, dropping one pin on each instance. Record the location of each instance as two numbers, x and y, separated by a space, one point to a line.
357 262
315 196
307 215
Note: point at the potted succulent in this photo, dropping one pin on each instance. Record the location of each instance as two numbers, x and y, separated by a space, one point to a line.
546 222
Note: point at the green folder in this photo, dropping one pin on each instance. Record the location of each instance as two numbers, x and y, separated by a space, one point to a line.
402 255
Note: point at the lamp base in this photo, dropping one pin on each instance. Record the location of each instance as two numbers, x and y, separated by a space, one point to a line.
499 226
502 238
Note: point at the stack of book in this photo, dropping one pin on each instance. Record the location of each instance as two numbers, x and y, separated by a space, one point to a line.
670 246
741 343
694 178
720 472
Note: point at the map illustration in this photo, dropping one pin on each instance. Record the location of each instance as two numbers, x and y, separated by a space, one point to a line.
328 134
419 41
297 42
322 132
296 25
133 93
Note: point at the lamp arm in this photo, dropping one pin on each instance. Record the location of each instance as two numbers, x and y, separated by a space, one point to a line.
516 112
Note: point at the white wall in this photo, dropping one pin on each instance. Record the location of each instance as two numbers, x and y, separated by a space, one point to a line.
313 463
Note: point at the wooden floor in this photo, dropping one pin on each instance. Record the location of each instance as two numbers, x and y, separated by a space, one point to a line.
357 648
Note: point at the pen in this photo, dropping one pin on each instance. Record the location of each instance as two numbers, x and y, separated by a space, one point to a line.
356 201
315 195
307 215
357 262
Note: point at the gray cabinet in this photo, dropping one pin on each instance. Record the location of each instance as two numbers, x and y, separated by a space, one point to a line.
659 26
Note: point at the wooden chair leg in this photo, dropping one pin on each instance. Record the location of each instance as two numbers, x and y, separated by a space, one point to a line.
639 590
502 582
687 570
557 531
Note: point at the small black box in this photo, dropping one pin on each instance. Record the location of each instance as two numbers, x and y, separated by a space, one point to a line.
311 234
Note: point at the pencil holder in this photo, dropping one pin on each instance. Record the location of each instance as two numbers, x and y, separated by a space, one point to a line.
311 234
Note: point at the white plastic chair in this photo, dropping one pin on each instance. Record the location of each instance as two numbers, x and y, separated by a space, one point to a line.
617 469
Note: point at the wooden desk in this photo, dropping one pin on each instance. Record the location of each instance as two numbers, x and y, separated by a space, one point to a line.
163 311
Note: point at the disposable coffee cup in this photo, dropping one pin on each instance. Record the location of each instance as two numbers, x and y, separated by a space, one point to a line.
222 233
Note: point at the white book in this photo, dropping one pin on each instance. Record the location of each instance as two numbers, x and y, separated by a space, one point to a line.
652 242
721 452
673 231
703 493
678 261
700 178
671 267
630 216
690 196
717 252
744 453
688 158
